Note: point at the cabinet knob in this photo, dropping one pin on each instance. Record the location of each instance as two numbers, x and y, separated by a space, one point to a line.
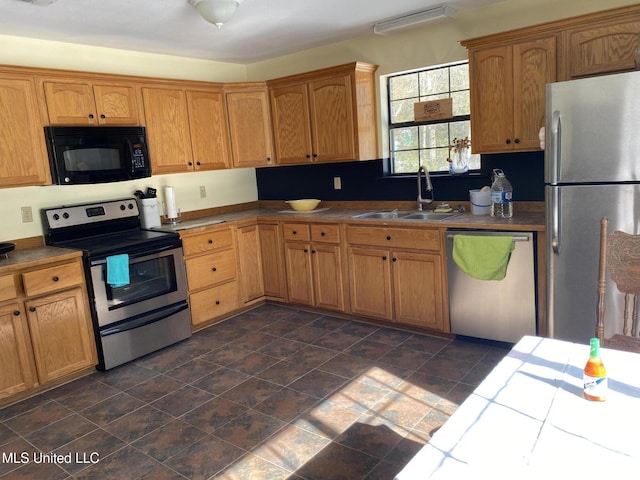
268 159
308 156
102 115
384 257
306 250
315 155
508 142
214 269
198 163
322 234
393 259
209 241
32 309
55 278
16 313
217 302
295 232
313 251
190 164
388 237
517 140
91 115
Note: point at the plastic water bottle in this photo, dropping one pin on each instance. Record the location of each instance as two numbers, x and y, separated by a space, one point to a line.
501 195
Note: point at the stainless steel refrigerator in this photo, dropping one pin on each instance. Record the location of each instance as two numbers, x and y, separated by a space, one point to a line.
592 170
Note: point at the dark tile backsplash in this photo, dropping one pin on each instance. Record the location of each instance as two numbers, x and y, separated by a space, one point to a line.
366 181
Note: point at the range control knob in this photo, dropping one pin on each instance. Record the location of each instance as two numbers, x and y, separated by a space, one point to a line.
65 215
56 216
130 206
122 207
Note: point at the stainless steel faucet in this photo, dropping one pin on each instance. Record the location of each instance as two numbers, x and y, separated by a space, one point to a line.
424 201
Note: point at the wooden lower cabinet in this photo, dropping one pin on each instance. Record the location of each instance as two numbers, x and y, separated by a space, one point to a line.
212 273
314 268
417 289
273 267
18 372
46 331
370 282
213 302
60 333
250 263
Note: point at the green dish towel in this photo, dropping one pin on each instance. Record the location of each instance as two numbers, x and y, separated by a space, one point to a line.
484 257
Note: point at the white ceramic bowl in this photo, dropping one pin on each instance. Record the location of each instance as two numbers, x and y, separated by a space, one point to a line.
304 204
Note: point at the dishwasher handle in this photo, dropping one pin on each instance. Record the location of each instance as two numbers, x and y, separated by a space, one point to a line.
515 238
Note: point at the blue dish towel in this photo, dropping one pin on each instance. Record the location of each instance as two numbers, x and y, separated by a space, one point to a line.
118 270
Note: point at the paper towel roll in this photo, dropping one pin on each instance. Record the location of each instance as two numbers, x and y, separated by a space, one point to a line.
171 210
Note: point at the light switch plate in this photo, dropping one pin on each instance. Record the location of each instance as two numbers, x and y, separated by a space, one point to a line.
203 191
337 183
27 214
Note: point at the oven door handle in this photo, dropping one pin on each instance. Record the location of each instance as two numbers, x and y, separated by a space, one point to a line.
146 320
143 254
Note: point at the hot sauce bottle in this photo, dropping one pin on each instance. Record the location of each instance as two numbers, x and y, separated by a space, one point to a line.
595 375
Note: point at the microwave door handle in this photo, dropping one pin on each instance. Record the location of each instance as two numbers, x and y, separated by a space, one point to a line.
130 154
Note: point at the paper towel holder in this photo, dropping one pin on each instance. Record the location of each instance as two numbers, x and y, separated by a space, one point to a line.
171 220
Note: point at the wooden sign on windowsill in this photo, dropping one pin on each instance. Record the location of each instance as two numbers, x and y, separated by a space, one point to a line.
433 110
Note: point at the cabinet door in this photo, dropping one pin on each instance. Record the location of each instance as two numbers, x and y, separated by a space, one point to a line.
534 65
249 128
167 130
299 277
116 104
18 371
209 133
332 123
417 289
328 285
272 261
61 334
23 154
70 103
213 303
491 76
370 282
249 258
601 49
291 129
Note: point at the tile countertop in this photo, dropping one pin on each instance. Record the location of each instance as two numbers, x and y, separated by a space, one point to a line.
523 221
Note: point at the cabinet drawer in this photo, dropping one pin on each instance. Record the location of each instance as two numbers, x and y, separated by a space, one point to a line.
213 302
421 239
296 231
211 269
325 233
207 242
7 288
52 279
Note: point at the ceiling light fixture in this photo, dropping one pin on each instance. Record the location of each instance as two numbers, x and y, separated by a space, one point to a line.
217 12
403 21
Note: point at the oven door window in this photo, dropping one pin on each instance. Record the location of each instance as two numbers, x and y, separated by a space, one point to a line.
95 159
147 279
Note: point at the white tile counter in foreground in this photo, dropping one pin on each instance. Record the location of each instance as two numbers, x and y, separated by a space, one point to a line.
528 418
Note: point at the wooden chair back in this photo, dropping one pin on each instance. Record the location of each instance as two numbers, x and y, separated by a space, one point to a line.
620 256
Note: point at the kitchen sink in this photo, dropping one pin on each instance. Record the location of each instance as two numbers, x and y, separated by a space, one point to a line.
428 216
433 216
386 215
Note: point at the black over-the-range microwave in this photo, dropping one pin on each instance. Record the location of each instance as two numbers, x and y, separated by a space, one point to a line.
85 155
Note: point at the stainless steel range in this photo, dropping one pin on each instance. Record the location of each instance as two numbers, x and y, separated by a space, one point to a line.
136 278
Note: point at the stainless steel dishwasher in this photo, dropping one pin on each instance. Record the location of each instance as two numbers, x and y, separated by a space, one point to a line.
503 310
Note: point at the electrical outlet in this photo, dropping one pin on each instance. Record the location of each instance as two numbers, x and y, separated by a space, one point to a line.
337 183
27 214
203 191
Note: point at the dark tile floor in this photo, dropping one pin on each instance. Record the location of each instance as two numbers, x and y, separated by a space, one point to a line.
274 393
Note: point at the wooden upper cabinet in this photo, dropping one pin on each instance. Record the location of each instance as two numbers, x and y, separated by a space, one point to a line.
23 154
209 132
249 125
332 124
326 115
291 125
167 130
71 103
508 94
603 48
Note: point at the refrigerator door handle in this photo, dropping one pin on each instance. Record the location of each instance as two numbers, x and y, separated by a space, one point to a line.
556 220
555 147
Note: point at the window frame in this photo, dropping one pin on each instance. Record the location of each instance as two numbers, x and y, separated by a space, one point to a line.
390 167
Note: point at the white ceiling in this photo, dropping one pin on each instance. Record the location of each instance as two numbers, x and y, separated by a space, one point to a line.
260 29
